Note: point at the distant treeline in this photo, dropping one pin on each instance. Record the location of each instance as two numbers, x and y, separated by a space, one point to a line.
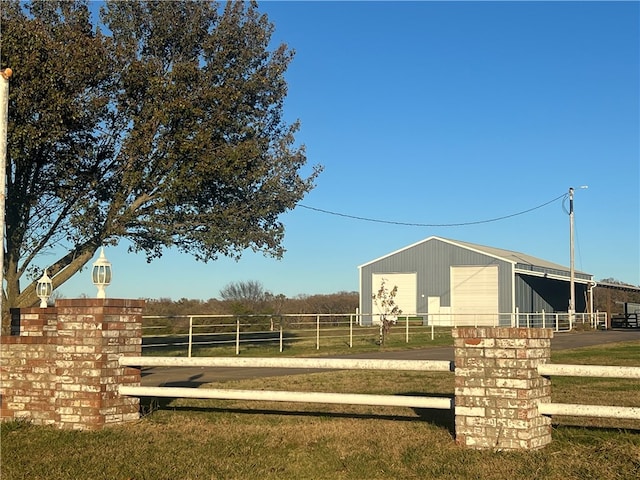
612 297
341 302
251 298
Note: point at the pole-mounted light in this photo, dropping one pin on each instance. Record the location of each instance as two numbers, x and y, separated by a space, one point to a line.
572 269
101 274
44 289
572 285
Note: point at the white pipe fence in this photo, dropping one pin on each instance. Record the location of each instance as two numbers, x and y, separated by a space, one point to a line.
600 371
290 396
603 411
291 328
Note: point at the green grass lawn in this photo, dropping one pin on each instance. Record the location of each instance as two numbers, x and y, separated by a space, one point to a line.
216 439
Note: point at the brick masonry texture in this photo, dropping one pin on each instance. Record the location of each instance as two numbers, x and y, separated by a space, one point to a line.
498 388
60 365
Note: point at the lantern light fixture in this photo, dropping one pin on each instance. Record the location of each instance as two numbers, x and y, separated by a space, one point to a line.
101 274
44 289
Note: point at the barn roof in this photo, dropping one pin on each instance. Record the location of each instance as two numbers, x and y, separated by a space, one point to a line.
526 264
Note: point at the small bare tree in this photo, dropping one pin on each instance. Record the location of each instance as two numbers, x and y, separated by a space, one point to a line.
385 301
245 297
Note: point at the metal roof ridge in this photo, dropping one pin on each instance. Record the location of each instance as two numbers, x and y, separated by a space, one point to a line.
511 256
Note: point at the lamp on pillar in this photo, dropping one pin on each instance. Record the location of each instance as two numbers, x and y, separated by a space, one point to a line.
44 288
101 274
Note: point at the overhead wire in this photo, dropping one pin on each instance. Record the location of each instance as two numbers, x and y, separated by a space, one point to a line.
412 224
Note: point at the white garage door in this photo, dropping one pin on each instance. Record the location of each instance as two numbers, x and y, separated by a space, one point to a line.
407 284
474 295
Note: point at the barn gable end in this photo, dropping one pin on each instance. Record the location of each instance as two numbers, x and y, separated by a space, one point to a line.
454 278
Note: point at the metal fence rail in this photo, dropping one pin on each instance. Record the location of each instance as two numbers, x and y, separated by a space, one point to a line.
200 330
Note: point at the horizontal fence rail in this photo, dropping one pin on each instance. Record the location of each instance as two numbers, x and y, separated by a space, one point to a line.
287 396
311 363
600 371
290 396
577 410
588 371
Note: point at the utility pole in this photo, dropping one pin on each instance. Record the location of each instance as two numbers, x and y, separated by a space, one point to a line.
572 274
5 74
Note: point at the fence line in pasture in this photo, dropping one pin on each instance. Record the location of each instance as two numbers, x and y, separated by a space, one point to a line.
281 329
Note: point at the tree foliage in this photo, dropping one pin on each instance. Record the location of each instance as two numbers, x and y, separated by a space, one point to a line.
166 131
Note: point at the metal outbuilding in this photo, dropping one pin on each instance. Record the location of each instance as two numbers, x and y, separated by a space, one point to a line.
450 281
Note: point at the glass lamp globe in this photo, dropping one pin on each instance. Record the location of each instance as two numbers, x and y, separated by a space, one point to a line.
101 274
44 289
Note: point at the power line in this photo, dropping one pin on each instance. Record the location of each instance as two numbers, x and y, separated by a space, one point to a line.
409 224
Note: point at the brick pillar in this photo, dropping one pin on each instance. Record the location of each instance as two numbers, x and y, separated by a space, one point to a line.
62 369
33 322
498 387
92 334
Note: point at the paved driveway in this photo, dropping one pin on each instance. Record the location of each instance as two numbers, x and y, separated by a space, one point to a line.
196 376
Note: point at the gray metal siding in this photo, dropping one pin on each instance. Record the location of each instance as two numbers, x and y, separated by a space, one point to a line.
535 294
528 299
432 261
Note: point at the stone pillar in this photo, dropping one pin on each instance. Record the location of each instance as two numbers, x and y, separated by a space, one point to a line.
498 387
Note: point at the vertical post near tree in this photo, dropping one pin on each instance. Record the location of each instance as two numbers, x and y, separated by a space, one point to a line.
5 74
572 283
572 272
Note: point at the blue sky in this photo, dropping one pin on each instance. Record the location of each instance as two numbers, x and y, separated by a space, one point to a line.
441 113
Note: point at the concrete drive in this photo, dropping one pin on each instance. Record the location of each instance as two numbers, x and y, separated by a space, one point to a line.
196 376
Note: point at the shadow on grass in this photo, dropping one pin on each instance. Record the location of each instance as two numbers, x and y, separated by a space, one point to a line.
440 418
566 427
190 382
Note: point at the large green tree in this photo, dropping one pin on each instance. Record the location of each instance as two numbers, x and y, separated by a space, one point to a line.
162 125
